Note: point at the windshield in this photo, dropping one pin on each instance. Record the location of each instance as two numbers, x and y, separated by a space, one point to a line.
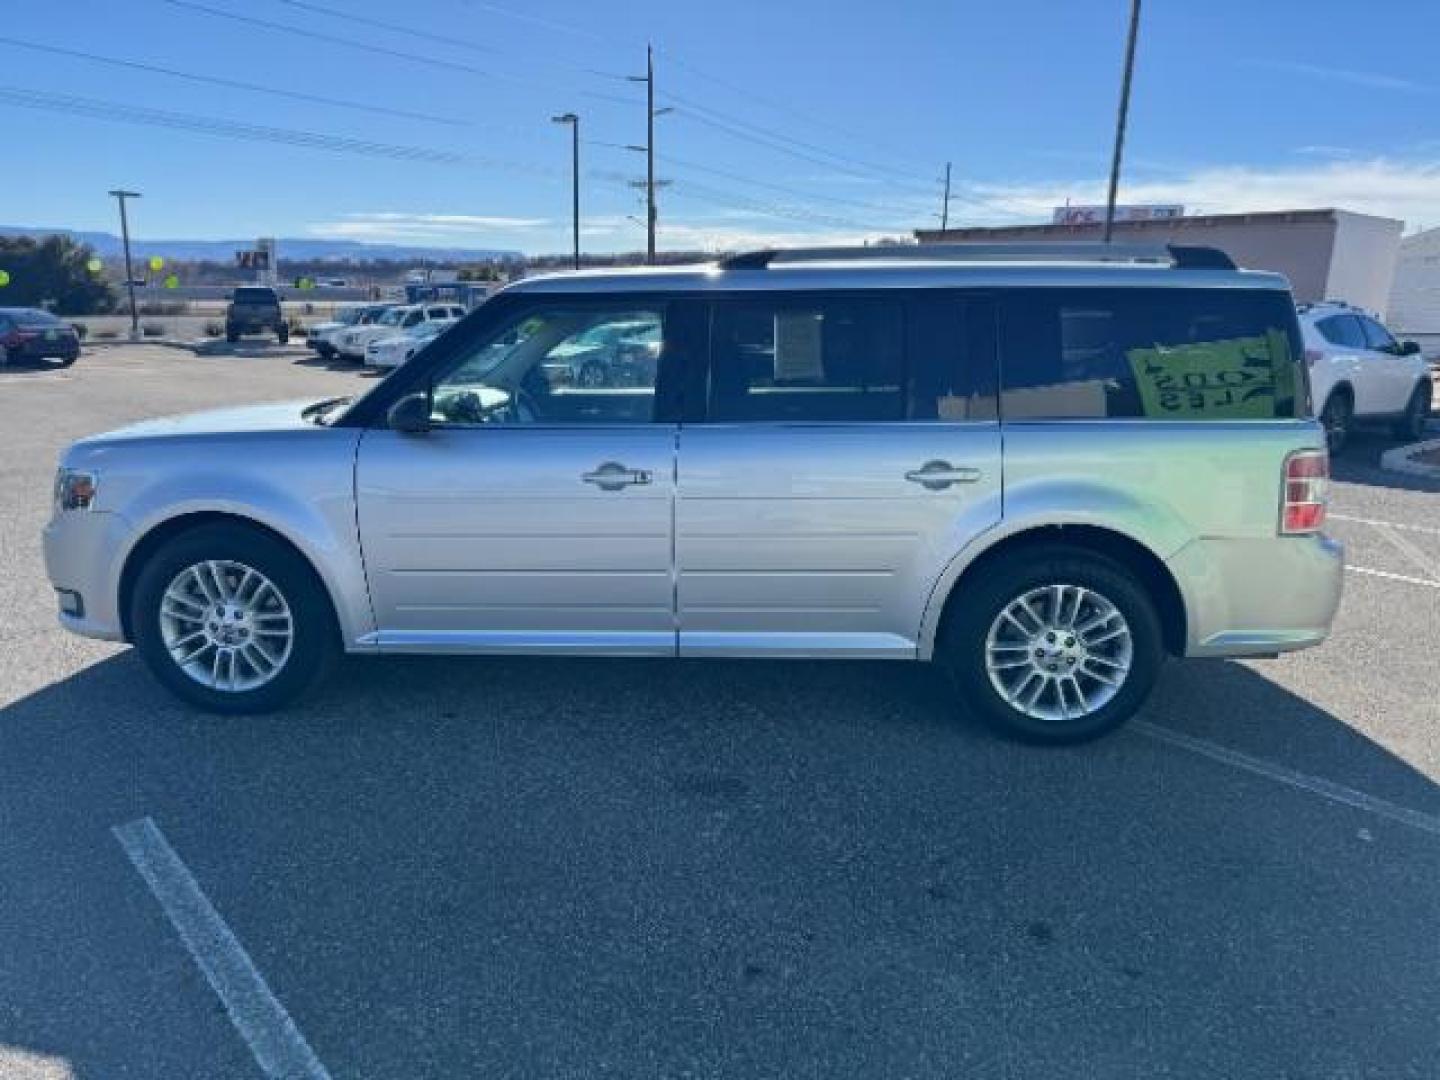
392 317
31 317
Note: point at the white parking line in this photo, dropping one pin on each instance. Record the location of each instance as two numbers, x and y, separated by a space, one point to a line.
1316 785
261 1020
1389 524
1387 575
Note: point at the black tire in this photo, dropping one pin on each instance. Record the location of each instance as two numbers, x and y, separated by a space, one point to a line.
283 334
1337 417
963 645
1411 425
315 643
66 361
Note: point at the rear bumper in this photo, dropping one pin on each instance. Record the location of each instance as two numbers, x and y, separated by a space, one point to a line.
1258 597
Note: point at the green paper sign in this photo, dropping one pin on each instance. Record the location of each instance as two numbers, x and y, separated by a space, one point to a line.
1237 379
172 281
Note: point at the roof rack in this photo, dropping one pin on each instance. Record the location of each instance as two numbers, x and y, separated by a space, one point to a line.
1175 255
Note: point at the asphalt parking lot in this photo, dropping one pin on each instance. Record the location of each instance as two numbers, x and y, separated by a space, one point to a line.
562 868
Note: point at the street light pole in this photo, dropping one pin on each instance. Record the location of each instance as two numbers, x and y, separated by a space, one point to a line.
945 206
1121 117
574 121
120 196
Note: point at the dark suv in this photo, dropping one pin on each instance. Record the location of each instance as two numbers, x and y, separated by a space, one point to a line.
255 309
32 334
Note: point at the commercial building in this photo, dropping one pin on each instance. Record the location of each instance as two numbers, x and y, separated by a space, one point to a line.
1414 310
1327 254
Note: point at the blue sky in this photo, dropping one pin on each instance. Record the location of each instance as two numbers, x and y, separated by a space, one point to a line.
793 119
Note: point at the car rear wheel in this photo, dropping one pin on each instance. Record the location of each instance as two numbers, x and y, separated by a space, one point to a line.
1411 425
232 620
1337 417
1054 646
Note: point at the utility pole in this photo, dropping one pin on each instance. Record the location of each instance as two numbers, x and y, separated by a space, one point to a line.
1121 117
120 196
651 213
574 121
945 206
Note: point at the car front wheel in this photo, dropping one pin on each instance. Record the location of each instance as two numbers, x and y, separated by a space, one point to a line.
232 620
1054 646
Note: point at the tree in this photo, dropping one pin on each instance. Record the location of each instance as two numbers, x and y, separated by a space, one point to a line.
52 273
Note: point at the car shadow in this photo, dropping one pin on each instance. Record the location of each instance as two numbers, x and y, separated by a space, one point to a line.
1360 463
819 854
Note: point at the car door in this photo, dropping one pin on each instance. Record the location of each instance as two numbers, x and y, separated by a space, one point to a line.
1351 361
533 515
847 447
1393 373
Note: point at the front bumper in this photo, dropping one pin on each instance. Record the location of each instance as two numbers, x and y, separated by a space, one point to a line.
1258 597
81 556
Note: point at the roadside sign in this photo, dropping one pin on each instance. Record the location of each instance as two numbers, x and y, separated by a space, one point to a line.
172 281
157 263
95 266
4 278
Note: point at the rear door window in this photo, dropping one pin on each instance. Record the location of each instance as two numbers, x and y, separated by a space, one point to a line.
1155 354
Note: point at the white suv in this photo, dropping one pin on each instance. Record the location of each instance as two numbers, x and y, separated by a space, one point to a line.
351 343
1359 372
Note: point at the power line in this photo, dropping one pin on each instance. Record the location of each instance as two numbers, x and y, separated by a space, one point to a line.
770 102
108 110
394 28
335 39
813 148
232 84
784 189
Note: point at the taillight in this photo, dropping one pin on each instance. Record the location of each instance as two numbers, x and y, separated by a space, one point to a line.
1306 485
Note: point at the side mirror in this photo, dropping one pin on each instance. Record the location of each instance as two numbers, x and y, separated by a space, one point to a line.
411 414
1409 348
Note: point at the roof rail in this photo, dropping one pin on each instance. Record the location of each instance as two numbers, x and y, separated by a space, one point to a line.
1076 251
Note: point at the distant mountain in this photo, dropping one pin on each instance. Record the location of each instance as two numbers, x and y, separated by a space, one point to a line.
108 244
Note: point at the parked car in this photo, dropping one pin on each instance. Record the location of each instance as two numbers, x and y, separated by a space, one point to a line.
1360 374
323 337
255 309
392 351
614 354
351 343
317 334
1046 475
33 334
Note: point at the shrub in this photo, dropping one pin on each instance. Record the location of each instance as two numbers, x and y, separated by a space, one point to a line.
152 329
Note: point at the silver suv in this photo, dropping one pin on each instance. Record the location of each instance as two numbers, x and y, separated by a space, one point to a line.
1048 468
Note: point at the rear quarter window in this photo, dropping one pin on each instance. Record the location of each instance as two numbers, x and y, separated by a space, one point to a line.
1153 354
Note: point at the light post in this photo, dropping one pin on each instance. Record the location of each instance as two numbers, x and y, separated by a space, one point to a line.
120 196
574 121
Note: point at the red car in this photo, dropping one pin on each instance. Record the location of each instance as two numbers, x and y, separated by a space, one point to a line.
32 334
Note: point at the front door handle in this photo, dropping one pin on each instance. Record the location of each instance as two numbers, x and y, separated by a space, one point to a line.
612 476
939 475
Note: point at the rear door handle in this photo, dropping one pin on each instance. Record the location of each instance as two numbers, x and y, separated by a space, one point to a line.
612 476
939 475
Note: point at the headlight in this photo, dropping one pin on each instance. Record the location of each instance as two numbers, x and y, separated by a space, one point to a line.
75 489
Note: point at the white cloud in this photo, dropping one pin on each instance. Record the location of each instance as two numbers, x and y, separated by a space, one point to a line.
402 227
1408 190
1373 80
